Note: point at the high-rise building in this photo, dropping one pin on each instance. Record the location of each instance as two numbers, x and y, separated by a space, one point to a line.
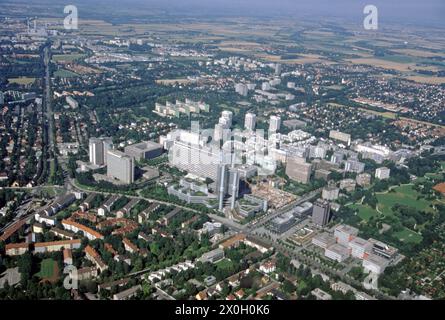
226 118
274 124
120 166
250 121
222 185
202 161
2 98
298 169
107 145
233 186
218 133
96 151
321 212
98 148
278 69
227 184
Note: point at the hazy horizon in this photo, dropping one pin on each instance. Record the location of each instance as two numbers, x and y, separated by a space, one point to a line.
390 11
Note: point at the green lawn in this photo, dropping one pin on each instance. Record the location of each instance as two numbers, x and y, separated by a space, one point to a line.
224 264
62 73
22 80
364 212
408 236
67 57
46 269
404 195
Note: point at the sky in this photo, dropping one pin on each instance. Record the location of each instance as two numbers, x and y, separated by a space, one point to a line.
396 11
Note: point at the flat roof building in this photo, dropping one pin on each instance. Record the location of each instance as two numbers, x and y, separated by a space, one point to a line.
337 252
144 150
344 234
120 166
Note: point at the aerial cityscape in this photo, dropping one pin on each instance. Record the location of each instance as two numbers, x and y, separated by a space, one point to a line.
196 151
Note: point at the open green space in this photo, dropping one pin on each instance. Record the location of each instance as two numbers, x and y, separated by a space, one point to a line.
63 73
403 195
67 57
364 212
409 236
46 269
22 80
224 264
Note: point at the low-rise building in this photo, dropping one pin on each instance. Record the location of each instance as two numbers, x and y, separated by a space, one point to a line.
127 294
92 255
344 234
42 247
323 240
360 248
337 252
212 256
320 294
382 173
374 263
16 249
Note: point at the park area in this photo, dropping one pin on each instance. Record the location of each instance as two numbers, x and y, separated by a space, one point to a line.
402 195
49 270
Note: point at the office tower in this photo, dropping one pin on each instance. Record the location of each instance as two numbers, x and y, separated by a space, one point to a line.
218 132
274 124
202 161
233 188
321 212
120 166
250 121
298 169
107 145
98 148
96 151
222 185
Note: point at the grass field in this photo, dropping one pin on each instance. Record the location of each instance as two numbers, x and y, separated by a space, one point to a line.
407 235
65 74
22 80
67 57
47 268
224 264
405 195
364 212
